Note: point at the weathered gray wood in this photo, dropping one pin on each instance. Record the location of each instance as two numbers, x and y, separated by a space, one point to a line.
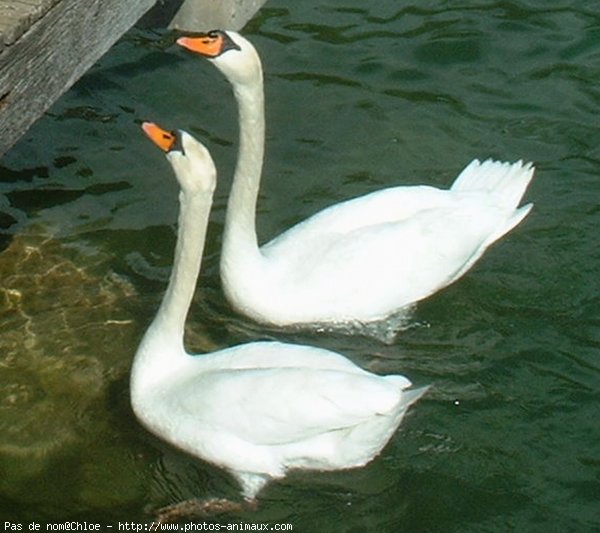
16 16
204 15
53 53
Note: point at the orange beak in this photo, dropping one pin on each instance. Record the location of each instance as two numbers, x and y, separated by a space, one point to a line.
162 138
206 45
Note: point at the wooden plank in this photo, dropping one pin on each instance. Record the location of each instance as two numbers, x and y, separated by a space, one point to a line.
16 16
53 53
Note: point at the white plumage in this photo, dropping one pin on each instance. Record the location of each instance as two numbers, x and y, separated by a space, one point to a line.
257 409
361 260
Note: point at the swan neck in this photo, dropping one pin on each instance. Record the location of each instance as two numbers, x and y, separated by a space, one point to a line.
161 350
240 225
191 235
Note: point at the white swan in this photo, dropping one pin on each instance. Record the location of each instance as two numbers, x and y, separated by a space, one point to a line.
261 408
360 260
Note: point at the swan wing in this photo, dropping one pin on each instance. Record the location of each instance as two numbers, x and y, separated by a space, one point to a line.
285 405
387 266
380 207
491 182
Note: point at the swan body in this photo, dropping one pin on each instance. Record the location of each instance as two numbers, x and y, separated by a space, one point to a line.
360 260
257 409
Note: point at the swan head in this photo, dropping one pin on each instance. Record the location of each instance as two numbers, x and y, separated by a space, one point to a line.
190 159
231 53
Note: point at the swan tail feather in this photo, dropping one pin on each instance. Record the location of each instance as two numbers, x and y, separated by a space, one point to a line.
411 396
511 223
506 181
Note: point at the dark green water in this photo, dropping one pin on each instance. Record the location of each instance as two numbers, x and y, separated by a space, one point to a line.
358 98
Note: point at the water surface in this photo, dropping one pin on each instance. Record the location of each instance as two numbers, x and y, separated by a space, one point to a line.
358 98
